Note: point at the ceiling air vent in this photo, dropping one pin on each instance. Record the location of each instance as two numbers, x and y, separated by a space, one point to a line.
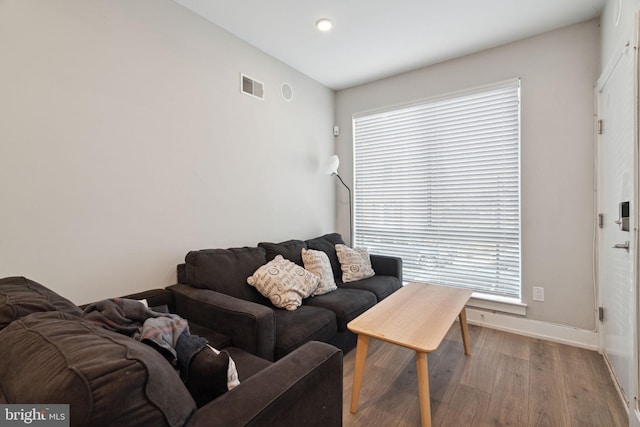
251 87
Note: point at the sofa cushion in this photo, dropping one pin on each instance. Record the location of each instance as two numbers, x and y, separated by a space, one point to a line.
317 262
327 244
246 363
226 271
354 263
346 304
290 250
294 328
381 286
284 282
105 377
20 297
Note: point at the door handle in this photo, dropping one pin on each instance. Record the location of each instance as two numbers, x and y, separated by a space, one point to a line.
624 245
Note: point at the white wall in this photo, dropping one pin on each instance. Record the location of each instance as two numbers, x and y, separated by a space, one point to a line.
558 70
125 142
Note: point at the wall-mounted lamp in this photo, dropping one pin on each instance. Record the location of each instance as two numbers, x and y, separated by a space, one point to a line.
332 169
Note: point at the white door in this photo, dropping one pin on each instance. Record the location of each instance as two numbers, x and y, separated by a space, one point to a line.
616 199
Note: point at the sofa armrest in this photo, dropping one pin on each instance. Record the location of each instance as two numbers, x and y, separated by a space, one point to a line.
250 326
385 265
302 388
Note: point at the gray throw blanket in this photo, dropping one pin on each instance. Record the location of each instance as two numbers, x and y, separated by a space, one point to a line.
167 333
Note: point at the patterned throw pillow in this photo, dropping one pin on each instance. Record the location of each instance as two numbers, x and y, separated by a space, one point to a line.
284 282
318 263
355 263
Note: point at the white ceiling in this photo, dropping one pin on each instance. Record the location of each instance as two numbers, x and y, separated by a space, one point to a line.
372 39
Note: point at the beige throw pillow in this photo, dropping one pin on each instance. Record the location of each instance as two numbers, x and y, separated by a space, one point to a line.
284 282
317 262
355 263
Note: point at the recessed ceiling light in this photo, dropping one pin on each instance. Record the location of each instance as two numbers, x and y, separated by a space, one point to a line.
324 24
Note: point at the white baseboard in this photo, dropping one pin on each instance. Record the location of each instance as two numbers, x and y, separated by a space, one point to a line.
632 414
533 328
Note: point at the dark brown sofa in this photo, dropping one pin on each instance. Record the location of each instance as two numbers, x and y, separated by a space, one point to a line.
213 291
51 355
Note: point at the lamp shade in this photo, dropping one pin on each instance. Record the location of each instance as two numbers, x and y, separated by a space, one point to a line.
331 166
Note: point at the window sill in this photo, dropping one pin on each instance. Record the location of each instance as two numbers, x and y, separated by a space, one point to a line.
497 303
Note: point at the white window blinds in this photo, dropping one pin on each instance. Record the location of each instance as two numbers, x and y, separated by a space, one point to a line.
438 184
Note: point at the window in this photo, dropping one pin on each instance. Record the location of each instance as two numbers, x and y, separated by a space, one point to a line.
438 184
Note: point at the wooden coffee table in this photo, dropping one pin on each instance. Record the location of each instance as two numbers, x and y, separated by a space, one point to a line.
417 316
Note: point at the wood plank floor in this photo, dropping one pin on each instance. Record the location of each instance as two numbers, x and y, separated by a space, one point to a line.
509 380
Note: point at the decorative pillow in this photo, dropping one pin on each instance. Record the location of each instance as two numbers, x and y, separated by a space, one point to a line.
105 377
355 263
318 263
289 250
284 282
327 244
20 297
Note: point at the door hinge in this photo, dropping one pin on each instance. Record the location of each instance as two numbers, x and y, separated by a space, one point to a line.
601 220
599 127
601 314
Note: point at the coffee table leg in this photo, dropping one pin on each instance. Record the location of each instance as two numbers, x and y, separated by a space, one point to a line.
361 357
465 331
423 388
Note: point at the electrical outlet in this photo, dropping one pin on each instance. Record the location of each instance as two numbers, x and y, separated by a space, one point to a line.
538 294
